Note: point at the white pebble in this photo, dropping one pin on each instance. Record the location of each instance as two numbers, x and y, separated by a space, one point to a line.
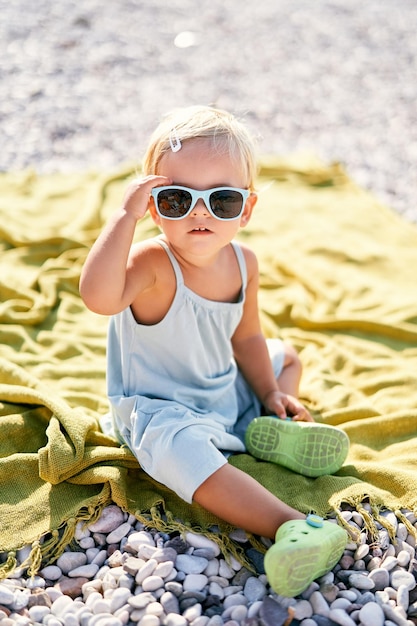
35 582
341 617
61 605
212 568
190 564
101 605
319 604
104 619
140 538
173 619
200 541
402 532
201 621
111 518
254 609
340 603
51 572
371 614
164 569
6 595
302 610
86 571
361 552
225 570
401 577
195 582
118 533
235 599
152 583
119 598
216 590
49 620
70 620
86 543
146 570
404 558
403 597
70 560
389 563
37 613
360 581
149 620
193 612
146 552
154 608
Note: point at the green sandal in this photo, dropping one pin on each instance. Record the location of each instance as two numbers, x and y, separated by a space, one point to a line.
307 448
304 550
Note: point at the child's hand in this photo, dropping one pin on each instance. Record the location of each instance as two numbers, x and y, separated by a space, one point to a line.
285 406
136 198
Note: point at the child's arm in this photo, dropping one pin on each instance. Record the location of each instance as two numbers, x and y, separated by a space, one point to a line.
252 356
109 281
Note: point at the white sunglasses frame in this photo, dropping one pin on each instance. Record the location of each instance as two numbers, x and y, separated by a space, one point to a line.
196 195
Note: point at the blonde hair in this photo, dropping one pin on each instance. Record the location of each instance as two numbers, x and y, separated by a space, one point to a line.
228 136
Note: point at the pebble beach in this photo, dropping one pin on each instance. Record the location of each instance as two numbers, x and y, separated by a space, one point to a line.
82 87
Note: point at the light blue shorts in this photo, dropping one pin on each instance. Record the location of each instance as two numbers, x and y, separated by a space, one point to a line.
181 448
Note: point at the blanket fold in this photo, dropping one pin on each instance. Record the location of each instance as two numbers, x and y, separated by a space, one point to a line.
338 280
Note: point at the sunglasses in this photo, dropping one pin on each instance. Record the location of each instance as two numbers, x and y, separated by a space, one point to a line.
223 203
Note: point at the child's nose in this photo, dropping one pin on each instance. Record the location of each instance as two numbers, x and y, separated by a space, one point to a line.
200 206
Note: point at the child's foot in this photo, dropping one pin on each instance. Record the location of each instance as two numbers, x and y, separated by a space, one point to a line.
304 550
305 447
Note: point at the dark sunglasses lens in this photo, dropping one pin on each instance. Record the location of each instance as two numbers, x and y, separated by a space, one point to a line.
173 203
226 204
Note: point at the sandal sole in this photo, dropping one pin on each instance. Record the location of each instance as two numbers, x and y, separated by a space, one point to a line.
307 448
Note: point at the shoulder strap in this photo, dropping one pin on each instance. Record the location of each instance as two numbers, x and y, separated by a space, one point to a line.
242 263
174 262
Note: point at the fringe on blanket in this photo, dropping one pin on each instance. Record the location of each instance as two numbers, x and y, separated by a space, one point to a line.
48 548
51 546
371 513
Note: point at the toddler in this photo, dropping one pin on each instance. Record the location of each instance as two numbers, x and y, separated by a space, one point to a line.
188 367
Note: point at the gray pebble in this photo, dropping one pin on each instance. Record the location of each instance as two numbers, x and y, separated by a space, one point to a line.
112 517
190 564
84 571
169 602
254 589
360 581
380 578
69 561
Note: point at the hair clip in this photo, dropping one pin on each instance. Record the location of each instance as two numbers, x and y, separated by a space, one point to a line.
174 141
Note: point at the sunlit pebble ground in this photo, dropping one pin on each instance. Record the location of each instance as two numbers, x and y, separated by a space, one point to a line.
83 84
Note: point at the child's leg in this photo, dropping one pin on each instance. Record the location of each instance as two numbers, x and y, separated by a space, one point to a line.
240 500
302 551
290 376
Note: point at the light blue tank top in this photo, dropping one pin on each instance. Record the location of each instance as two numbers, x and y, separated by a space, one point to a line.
186 358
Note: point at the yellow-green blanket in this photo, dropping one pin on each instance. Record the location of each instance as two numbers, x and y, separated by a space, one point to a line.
338 278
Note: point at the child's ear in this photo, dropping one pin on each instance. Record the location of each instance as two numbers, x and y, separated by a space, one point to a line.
247 211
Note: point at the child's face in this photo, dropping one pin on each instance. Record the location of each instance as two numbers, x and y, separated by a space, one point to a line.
197 166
